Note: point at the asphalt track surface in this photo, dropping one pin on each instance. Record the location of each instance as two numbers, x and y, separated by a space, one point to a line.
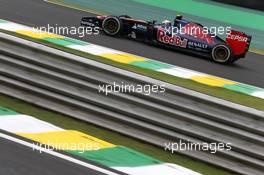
40 13
16 159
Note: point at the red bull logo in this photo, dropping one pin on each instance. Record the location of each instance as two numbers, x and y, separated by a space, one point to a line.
171 40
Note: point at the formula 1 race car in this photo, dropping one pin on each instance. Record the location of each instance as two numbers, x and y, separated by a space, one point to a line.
179 35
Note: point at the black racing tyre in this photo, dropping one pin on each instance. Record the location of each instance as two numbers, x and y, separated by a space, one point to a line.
112 25
222 53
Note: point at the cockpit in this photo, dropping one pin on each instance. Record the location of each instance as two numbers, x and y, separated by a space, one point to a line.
176 22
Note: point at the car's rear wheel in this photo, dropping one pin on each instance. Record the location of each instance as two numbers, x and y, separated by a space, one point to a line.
112 26
222 54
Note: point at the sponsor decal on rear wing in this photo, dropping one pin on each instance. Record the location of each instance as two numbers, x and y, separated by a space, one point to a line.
239 42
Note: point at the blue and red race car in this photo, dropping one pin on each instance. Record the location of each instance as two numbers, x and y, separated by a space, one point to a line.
179 35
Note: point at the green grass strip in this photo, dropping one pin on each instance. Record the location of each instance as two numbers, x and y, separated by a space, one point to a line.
3 21
151 64
243 88
211 11
5 111
65 41
119 156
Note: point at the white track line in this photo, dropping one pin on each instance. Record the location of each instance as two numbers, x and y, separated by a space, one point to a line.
56 154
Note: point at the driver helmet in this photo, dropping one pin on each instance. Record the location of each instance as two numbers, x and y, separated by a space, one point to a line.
177 20
178 17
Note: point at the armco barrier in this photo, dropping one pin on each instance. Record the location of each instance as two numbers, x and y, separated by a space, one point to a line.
137 61
69 84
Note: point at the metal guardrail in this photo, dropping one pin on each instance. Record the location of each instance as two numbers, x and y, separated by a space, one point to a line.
68 84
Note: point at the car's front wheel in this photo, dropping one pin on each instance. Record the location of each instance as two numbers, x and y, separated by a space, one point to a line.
222 53
112 26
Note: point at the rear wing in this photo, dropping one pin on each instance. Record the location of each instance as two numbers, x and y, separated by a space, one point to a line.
239 43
